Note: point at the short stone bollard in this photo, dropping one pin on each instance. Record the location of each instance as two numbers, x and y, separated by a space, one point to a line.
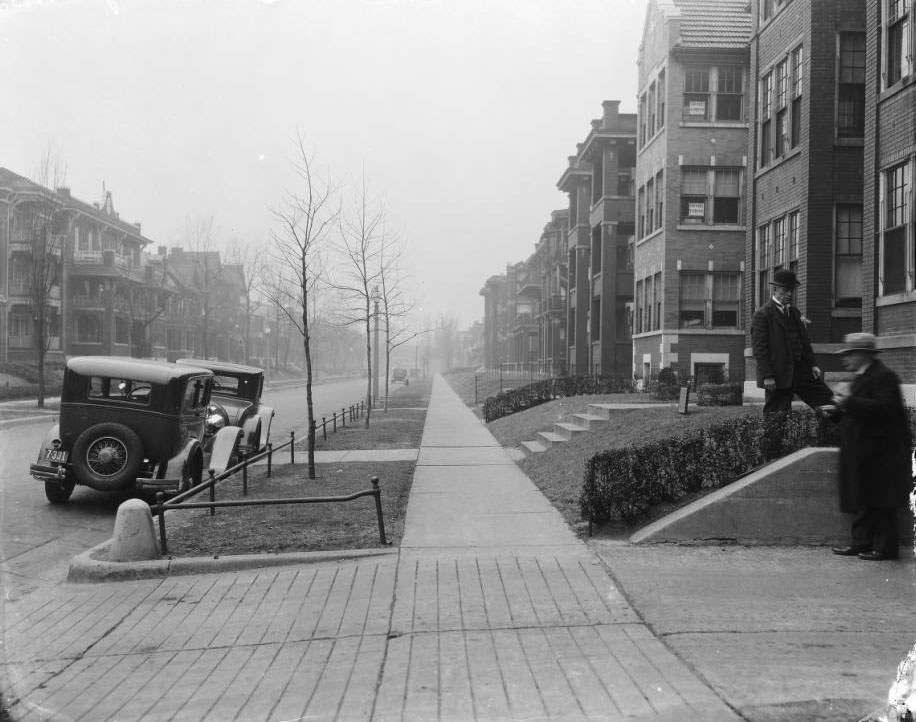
134 536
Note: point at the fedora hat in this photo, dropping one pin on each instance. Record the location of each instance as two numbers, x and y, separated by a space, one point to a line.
785 278
859 342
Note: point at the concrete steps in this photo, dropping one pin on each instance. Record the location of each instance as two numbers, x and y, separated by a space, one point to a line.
533 447
589 421
549 438
568 430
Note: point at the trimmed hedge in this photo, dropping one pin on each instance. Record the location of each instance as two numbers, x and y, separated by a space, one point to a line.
524 397
720 394
625 483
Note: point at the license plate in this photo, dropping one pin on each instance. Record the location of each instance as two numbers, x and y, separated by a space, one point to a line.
56 455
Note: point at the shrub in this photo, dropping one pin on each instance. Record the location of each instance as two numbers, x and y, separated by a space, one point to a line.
731 394
524 397
625 483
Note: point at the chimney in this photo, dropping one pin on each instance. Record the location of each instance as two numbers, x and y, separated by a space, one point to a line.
596 124
611 112
137 226
572 161
64 191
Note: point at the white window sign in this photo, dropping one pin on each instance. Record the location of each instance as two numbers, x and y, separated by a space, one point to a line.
696 210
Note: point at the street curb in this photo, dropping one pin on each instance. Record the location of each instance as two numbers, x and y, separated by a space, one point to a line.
93 566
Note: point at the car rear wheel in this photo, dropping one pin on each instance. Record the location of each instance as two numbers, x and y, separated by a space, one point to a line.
58 492
192 472
107 456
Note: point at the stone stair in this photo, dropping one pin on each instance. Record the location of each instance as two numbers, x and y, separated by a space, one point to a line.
591 419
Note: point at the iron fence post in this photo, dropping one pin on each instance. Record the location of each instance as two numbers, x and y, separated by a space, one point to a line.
377 493
270 457
334 419
212 492
245 478
324 428
160 500
292 447
343 417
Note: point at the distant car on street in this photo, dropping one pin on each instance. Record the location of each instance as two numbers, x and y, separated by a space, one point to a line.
126 423
236 401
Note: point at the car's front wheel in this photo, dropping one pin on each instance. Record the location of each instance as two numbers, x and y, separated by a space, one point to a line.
58 492
107 456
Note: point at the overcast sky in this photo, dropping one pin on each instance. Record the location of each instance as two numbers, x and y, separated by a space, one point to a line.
462 112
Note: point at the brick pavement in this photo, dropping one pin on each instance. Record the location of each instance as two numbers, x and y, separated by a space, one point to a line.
491 610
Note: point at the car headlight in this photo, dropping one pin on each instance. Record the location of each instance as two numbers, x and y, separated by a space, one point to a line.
216 418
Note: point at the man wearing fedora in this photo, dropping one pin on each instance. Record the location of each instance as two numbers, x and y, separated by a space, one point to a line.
875 469
786 365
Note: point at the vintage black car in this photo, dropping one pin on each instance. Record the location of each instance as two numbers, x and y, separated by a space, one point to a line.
126 424
236 401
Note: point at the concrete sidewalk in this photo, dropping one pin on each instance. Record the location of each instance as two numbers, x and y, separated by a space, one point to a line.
492 609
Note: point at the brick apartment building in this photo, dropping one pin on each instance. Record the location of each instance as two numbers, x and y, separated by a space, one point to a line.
804 200
691 174
599 184
889 229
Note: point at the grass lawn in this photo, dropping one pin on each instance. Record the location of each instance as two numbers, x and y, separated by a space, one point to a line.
296 527
314 527
559 471
400 427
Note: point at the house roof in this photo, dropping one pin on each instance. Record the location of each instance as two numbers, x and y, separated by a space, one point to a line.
710 23
19 184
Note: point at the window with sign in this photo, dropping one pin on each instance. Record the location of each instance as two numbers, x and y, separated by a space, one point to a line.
693 195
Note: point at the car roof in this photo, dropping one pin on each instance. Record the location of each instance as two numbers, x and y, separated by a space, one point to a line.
159 372
220 366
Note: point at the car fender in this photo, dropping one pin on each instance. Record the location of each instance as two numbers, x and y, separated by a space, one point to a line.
266 415
225 447
53 433
174 466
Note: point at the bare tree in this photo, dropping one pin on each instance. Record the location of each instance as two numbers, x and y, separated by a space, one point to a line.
43 221
395 306
304 219
204 263
146 302
253 263
361 242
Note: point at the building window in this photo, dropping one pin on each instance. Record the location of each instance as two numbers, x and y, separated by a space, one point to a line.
651 108
20 329
762 260
793 240
596 250
692 312
693 195
88 328
722 102
650 205
897 42
779 242
661 99
641 203
657 302
896 261
726 291
723 207
642 120
726 195
659 198
696 94
851 90
595 319
122 330
780 108
572 269
797 74
766 119
730 94
848 278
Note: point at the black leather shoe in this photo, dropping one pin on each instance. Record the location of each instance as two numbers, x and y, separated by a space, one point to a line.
850 551
875 556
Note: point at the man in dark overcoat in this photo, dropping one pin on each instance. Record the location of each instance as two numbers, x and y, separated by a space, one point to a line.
786 365
875 476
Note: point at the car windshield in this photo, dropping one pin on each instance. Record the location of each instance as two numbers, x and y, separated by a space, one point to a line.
228 385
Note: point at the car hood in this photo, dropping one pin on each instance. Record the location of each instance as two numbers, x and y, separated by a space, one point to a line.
235 408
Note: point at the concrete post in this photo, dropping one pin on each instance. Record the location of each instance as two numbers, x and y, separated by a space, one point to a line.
134 536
